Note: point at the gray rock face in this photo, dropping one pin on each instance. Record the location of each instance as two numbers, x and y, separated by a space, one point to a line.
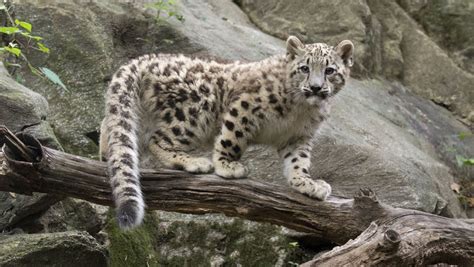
220 241
450 24
316 21
68 215
23 110
388 41
58 249
15 208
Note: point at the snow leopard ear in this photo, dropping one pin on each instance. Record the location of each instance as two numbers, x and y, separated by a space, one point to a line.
345 50
294 47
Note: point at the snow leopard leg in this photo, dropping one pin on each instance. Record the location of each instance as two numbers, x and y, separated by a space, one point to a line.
232 141
297 160
172 152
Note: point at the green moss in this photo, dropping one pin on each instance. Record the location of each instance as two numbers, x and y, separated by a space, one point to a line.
134 247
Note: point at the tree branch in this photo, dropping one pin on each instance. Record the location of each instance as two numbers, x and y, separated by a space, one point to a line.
396 233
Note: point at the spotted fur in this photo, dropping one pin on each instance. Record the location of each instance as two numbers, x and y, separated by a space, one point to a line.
173 104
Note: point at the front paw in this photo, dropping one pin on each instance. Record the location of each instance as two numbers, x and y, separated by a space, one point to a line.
318 189
230 169
199 165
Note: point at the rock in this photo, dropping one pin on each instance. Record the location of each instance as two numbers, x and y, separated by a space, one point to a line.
317 21
172 239
23 110
58 249
67 215
428 70
388 41
221 241
16 208
450 24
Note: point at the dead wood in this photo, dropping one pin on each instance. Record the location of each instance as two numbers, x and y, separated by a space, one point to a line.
383 235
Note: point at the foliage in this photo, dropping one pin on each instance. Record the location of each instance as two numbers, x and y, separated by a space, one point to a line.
167 7
462 161
53 77
465 188
21 39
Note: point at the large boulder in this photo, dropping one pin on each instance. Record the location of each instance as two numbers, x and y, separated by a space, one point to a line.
222 241
450 24
58 249
317 21
388 41
24 110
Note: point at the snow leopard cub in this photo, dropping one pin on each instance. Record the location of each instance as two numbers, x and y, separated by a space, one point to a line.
172 104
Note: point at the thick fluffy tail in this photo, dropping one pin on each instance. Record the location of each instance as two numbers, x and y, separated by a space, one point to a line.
120 125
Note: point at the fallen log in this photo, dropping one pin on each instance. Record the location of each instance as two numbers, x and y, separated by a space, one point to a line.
382 234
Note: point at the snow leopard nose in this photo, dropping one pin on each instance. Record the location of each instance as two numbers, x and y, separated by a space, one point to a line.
315 89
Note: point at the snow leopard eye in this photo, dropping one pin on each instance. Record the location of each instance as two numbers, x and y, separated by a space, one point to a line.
304 69
329 71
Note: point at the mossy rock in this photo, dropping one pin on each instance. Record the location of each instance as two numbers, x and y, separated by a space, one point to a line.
134 247
169 239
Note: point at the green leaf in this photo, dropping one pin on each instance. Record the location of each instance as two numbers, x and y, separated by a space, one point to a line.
15 51
464 135
462 161
2 7
43 48
35 71
23 24
36 38
293 244
469 161
180 17
9 30
53 77
8 64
